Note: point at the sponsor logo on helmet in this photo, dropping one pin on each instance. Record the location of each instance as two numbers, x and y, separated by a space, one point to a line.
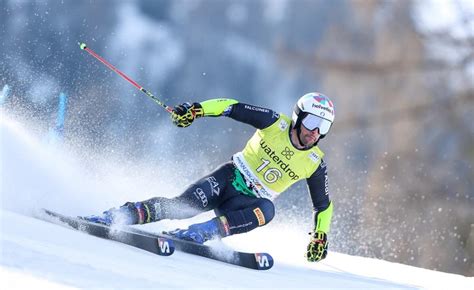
318 106
323 100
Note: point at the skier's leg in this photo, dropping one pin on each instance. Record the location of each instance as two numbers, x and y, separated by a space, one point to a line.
201 196
244 213
237 214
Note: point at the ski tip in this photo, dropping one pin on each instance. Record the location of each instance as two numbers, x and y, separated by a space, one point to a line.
82 45
264 261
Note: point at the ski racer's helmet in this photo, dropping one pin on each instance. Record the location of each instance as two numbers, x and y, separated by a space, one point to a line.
314 110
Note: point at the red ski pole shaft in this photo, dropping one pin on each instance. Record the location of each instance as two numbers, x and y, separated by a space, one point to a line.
142 89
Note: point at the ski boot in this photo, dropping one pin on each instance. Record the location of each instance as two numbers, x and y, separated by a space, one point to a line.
128 214
200 233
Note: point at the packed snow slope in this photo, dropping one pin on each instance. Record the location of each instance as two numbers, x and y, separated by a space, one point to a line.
37 254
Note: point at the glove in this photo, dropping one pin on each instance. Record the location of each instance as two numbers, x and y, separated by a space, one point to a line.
318 247
183 115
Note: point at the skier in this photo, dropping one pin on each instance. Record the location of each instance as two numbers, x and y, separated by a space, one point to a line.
282 151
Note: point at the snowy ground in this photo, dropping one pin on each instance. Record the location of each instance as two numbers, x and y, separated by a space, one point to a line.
40 255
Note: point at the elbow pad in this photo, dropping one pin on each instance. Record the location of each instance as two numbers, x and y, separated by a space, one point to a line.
216 107
322 219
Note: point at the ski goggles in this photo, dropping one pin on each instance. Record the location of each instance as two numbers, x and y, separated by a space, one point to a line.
311 122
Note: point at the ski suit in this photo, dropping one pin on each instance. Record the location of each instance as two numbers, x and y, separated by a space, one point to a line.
242 190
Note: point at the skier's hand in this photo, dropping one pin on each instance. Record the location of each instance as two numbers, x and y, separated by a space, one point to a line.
318 247
183 115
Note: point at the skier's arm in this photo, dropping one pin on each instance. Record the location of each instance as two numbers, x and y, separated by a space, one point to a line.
257 117
322 213
184 114
319 191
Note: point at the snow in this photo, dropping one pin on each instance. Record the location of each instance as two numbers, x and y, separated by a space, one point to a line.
40 255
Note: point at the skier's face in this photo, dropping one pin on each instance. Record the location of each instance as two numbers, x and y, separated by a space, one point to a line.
309 137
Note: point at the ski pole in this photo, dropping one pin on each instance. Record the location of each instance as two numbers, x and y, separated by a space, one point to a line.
150 95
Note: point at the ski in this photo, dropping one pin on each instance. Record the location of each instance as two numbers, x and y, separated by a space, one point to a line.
155 244
257 261
161 244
